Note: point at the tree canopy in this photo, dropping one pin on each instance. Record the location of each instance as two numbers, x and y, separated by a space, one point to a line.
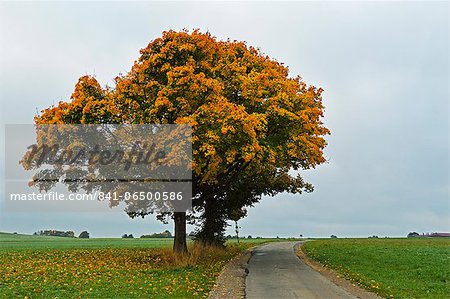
252 123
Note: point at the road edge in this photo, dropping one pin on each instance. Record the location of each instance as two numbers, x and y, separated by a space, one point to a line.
333 276
231 280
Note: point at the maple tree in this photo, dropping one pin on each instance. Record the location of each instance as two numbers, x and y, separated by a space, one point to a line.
252 124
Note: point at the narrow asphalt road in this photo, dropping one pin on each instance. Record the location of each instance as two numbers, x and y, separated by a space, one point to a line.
276 272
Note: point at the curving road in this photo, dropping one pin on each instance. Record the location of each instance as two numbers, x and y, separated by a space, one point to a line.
276 272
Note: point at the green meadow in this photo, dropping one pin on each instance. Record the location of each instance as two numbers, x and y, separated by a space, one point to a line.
393 268
27 242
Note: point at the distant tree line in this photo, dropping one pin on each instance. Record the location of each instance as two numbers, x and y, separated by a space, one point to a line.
164 234
60 233
428 235
55 233
243 237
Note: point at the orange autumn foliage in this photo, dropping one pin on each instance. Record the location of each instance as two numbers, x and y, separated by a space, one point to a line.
246 112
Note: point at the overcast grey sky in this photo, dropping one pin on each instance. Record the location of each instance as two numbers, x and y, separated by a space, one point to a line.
384 67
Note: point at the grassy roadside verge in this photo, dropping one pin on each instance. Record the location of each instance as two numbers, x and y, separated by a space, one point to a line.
392 268
52 267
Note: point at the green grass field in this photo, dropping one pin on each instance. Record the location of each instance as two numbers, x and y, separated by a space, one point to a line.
55 267
26 242
393 268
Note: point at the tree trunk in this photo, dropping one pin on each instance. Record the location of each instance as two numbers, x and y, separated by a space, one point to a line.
212 230
179 242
